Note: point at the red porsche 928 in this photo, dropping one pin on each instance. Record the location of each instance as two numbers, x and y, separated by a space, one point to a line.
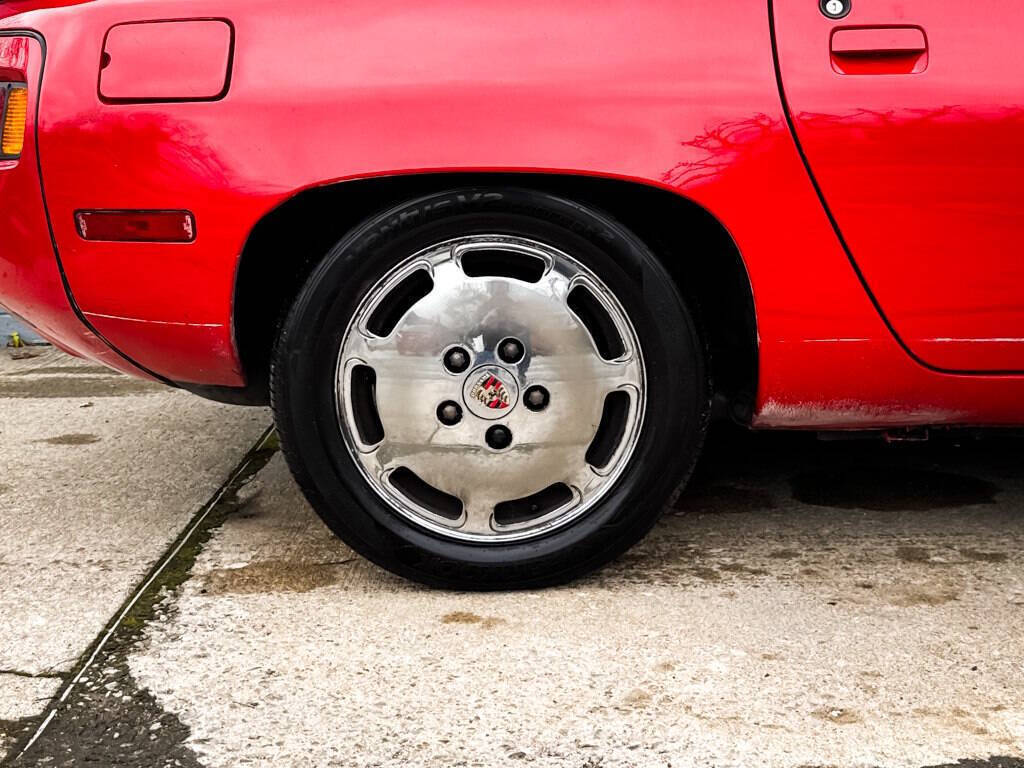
496 265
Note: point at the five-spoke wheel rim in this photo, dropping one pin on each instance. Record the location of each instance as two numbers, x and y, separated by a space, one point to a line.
490 388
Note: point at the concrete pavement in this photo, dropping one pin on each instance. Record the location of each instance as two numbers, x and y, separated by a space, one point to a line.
756 631
805 604
98 474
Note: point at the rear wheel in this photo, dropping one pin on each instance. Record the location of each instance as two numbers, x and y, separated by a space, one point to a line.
489 388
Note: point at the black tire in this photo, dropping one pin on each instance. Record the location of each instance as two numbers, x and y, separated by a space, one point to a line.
303 394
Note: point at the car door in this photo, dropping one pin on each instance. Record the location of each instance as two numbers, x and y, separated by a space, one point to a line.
909 115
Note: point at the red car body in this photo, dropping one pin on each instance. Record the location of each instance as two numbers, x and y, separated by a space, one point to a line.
867 168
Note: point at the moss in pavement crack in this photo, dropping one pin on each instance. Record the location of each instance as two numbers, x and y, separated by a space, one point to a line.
179 568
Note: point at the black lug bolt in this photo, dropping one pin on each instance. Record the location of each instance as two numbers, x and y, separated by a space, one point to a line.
536 398
510 350
456 359
449 413
498 437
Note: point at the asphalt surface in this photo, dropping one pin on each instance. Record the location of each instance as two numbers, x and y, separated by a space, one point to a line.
804 603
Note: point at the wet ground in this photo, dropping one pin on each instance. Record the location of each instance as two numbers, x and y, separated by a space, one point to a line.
804 603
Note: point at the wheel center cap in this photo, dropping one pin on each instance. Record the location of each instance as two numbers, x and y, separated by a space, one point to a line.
490 392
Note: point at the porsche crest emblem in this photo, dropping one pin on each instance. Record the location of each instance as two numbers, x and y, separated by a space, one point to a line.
490 392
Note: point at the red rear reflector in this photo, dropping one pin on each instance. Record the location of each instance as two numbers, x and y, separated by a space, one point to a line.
137 226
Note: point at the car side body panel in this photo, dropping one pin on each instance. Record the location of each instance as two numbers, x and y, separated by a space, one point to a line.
914 129
680 96
27 263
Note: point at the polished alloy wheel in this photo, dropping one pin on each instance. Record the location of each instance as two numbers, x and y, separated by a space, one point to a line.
490 388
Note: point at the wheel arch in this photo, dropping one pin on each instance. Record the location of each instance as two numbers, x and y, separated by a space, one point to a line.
693 245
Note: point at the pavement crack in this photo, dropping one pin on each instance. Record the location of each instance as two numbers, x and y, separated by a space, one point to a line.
346 561
37 675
